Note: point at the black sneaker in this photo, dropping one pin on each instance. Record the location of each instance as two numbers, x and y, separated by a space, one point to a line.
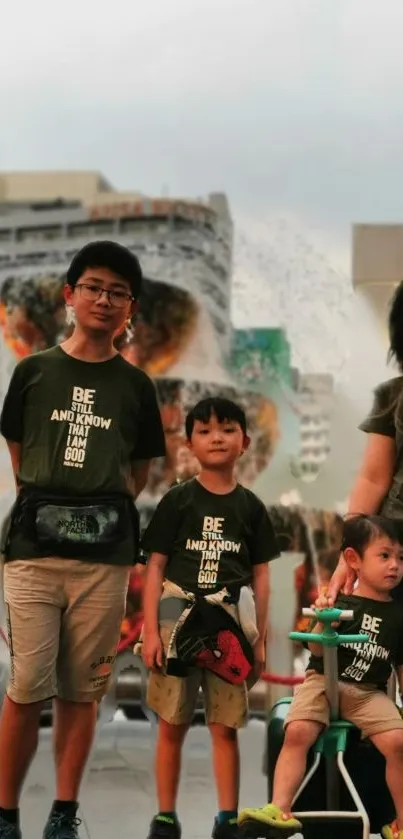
163 827
61 826
9 831
226 830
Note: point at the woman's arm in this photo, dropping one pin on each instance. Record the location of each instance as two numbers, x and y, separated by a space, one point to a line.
371 486
375 476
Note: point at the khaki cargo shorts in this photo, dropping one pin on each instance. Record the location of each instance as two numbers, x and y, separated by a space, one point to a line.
371 710
63 621
174 699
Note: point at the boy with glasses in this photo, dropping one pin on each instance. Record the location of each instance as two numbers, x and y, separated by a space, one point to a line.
82 426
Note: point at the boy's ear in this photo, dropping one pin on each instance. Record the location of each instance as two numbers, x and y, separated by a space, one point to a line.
246 443
352 558
68 294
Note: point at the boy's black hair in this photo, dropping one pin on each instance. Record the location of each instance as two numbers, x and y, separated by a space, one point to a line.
360 531
224 409
111 255
396 327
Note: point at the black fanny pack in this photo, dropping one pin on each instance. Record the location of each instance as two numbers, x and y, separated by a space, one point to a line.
70 526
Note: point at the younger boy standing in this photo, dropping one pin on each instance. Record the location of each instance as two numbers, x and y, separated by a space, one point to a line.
181 559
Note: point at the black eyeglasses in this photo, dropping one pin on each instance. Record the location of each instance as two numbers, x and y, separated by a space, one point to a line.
93 293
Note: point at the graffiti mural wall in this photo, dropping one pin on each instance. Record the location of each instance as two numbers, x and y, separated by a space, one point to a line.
173 340
32 318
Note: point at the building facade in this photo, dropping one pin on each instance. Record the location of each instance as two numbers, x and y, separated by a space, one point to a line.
46 217
182 337
315 398
377 266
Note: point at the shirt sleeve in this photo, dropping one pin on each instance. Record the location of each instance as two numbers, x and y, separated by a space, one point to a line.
151 438
12 413
160 534
263 546
381 419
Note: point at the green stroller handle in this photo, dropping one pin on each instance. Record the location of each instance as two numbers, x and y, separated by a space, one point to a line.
328 615
332 639
329 637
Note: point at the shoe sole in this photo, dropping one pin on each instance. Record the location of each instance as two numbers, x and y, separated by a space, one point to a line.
252 829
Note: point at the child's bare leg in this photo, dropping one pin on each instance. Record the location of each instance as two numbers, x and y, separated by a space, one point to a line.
226 765
168 764
390 744
300 735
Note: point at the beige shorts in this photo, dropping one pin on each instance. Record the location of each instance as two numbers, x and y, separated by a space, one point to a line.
174 699
63 620
371 710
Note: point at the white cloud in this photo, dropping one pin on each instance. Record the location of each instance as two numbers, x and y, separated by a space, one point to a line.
291 106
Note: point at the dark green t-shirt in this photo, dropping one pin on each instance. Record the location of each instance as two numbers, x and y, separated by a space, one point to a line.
386 418
81 425
381 418
369 663
211 540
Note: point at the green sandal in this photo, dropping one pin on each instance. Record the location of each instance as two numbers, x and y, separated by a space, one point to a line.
271 816
391 831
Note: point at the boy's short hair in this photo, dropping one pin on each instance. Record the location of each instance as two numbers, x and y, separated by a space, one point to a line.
224 409
359 531
111 255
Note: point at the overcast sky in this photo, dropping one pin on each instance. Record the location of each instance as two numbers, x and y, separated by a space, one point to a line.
293 107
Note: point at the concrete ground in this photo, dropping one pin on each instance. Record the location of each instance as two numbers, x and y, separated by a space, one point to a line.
118 794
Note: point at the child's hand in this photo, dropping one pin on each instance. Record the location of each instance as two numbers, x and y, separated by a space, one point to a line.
322 602
259 653
152 651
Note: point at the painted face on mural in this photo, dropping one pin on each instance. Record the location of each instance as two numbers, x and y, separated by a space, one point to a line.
22 327
31 312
